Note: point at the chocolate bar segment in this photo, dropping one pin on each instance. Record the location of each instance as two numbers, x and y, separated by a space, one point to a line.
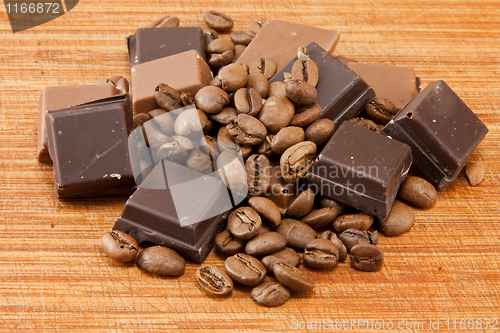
342 94
441 130
360 168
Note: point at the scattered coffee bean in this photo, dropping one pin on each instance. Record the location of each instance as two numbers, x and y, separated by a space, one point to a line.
351 237
475 172
211 99
226 116
381 110
327 202
306 115
320 131
189 121
418 191
258 81
214 280
233 77
258 172
270 294
265 243
247 130
199 161
155 137
238 51
217 60
227 244
218 21
321 253
165 22
266 209
245 269
277 89
248 100
255 26
358 221
176 150
187 99
162 261
210 34
367 123
292 277
302 205
320 217
296 160
287 137
163 119
297 233
366 257
140 119
266 66
287 255
399 221
332 237
231 170
276 113
244 222
119 246
305 70
167 97
300 92
242 37
225 140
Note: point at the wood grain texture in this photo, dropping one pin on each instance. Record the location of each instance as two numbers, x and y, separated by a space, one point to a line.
53 276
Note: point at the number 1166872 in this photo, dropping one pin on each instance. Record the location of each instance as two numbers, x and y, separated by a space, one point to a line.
33 8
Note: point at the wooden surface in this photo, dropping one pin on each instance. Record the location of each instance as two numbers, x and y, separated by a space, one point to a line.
54 277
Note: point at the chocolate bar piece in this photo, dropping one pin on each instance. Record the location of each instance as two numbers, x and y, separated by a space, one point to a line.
441 130
88 145
280 39
360 168
154 43
342 94
396 83
186 72
58 97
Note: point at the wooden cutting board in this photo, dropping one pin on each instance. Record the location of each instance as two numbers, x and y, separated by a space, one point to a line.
54 277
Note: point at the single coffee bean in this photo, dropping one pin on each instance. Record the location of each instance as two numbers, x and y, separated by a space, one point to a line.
475 172
238 51
258 81
277 89
119 82
319 218
366 257
119 246
297 233
140 119
244 222
255 26
226 116
418 191
265 243
270 294
154 135
276 113
399 221
351 237
287 137
247 130
220 45
321 253
248 101
167 97
242 37
332 237
226 243
217 60
287 255
245 269
214 280
267 209
296 160
199 161
302 205
327 202
258 172
305 70
176 150
265 147
266 66
163 119
210 34
187 99
165 22
320 131
358 221
367 123
225 140
300 92
162 261
218 21
306 115
211 99
381 110
209 146
233 77
231 170
189 121
292 277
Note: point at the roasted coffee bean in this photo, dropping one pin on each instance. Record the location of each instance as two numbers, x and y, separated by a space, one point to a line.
381 110
367 123
270 294
238 51
225 140
217 60
163 119
330 203
245 269
265 147
154 135
247 130
366 257
287 255
321 253
199 161
242 37
296 160
276 113
287 137
119 246
319 218
332 237
189 121
351 237
140 119
176 149
306 115
399 221
265 243
300 92
165 22
305 70
277 89
167 97
162 261
209 146
214 280
233 77
292 277
244 222
297 233
228 244
258 81
226 116
245 151
266 66
255 26
218 21
119 82
301 205
231 170
210 34
475 172
320 131
215 82
258 173
211 99
247 101
220 45
358 221
418 191
187 99
267 209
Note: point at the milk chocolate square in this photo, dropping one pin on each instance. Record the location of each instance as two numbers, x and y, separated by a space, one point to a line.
342 94
186 72
280 39
441 130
